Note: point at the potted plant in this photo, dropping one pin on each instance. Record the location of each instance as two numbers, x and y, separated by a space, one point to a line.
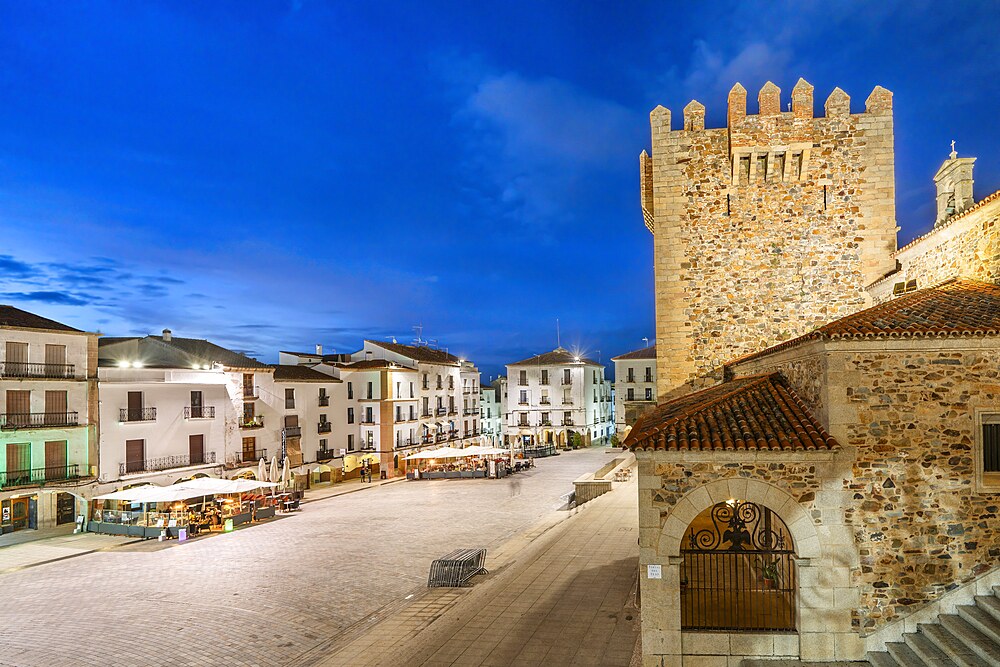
769 572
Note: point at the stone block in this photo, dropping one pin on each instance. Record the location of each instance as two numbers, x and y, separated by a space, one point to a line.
751 644
786 645
817 646
705 643
705 661
849 646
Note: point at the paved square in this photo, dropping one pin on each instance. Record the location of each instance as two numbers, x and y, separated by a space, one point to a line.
268 594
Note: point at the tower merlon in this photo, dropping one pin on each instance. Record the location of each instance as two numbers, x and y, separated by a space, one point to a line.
659 119
802 99
880 101
694 116
769 100
838 104
737 103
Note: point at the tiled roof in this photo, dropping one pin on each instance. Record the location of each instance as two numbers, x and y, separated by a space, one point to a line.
155 352
418 352
289 373
556 357
15 317
648 352
956 307
374 364
759 412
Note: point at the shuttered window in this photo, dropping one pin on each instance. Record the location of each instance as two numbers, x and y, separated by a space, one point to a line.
991 447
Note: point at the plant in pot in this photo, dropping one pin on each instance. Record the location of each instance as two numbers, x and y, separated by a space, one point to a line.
770 572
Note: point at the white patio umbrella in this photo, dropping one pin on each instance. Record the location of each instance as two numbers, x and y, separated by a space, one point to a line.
286 475
262 470
272 475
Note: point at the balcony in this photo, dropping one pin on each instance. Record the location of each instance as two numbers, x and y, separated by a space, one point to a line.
546 422
199 412
165 463
427 439
140 415
452 411
325 455
522 402
324 401
425 413
469 412
543 401
251 393
254 456
441 412
324 427
20 369
292 431
567 401
567 422
10 421
38 476
441 437
367 420
253 422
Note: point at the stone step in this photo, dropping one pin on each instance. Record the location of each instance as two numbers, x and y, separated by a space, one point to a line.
951 645
989 603
983 621
973 639
927 650
881 659
996 590
904 655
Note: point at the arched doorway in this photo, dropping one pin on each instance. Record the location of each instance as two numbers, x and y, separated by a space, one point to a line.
738 570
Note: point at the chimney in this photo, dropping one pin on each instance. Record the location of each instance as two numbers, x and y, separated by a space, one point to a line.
319 349
166 335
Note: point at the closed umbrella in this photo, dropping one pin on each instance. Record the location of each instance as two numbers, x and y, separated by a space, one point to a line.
272 475
262 470
286 475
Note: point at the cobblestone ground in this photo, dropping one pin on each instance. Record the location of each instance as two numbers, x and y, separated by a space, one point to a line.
265 595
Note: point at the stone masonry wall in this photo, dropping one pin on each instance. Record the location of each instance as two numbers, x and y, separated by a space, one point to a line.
764 229
967 247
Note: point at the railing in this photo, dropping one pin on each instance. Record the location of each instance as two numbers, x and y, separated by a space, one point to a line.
427 439
20 369
324 427
16 420
730 590
649 378
567 422
292 431
543 401
254 456
442 436
199 412
546 422
324 401
367 420
325 455
440 412
452 411
522 402
567 401
256 422
368 447
165 463
440 386
251 393
425 413
638 399
140 415
469 411
39 475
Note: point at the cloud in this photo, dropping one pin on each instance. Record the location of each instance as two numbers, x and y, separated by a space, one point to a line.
533 143
713 73
55 298
12 268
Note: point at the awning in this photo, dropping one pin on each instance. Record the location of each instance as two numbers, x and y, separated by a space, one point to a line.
201 486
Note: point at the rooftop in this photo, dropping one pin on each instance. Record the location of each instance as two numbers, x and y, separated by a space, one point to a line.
374 364
430 355
289 373
648 352
155 352
557 357
956 307
759 412
22 319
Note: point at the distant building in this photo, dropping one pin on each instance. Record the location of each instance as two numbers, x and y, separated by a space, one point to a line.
311 403
635 386
48 429
558 399
491 414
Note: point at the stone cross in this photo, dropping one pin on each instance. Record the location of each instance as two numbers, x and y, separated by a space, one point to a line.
953 153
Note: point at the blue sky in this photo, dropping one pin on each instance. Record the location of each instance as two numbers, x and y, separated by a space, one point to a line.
273 175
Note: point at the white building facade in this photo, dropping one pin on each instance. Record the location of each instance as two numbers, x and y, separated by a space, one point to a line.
491 415
557 400
635 386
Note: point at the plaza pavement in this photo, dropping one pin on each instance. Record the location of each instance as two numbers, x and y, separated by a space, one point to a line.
562 594
273 593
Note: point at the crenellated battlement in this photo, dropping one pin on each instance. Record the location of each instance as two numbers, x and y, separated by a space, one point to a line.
800 107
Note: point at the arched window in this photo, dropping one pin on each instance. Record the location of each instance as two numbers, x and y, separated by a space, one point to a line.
738 572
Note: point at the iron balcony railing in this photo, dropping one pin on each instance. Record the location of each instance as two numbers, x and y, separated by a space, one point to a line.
567 401
470 411
292 431
324 401
425 413
441 412
427 439
255 422
199 412
368 447
442 436
543 401
324 427
16 420
34 476
165 463
138 415
567 422
452 411
21 369
254 456
325 455
546 422
368 420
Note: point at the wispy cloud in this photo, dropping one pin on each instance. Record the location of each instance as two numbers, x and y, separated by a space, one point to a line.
56 298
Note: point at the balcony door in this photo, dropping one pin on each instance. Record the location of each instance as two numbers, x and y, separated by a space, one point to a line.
55 407
135 406
55 361
249 450
18 462
135 455
18 408
55 459
196 405
16 359
196 449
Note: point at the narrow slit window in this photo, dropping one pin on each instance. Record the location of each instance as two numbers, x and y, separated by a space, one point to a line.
745 169
991 447
797 166
779 166
762 168
824 198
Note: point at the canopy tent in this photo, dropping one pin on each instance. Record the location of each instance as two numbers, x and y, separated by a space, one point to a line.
441 453
211 485
201 486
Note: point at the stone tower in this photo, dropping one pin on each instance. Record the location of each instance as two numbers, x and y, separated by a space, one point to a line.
953 182
764 229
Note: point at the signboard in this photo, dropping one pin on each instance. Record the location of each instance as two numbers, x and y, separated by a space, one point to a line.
6 514
654 571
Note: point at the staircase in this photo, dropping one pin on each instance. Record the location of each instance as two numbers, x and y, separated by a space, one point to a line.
970 638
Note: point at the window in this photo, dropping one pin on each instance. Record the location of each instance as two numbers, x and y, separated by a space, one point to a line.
248 413
567 376
350 415
248 384
350 442
522 378
368 416
545 376
250 450
988 454
323 445
649 373
322 418
523 400
289 398
649 393
595 377
411 390
545 419
370 390
439 385
56 410
425 380
631 375
630 396
523 416
350 390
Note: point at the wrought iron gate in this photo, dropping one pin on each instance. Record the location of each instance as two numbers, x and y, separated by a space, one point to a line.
738 572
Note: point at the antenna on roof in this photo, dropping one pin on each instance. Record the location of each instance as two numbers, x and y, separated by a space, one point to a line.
645 340
558 340
419 328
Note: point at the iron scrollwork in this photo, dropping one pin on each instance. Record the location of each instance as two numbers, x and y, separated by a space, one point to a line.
739 526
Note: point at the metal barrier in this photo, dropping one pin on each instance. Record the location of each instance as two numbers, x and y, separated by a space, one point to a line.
456 568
